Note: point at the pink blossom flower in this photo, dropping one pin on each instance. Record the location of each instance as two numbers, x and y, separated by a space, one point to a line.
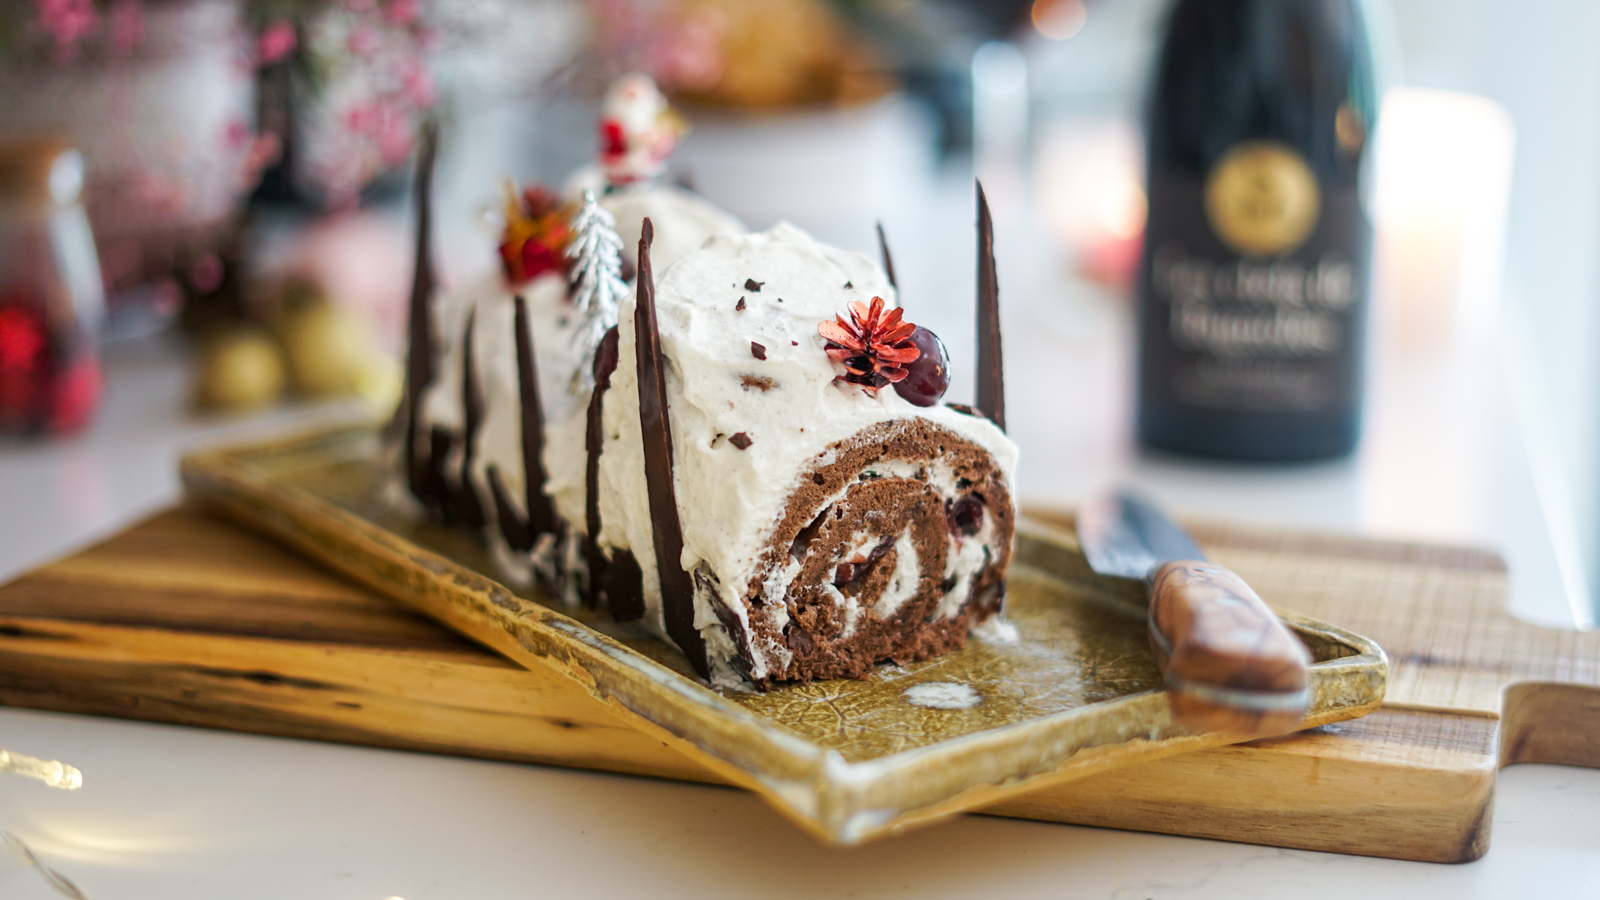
403 12
418 87
363 118
363 40
68 22
127 26
236 134
277 41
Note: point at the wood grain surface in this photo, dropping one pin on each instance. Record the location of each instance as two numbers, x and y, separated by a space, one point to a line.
187 619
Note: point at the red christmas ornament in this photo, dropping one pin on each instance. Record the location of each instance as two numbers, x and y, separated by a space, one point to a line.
874 345
535 237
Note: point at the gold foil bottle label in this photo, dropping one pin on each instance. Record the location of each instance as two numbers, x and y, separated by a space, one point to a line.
1262 199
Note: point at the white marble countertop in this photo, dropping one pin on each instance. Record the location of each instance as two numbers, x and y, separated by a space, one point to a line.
169 812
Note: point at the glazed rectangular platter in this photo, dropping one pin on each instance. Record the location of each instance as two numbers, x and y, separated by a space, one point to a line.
1075 694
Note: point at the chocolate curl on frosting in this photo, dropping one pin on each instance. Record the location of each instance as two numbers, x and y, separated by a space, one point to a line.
419 358
888 261
991 399
677 589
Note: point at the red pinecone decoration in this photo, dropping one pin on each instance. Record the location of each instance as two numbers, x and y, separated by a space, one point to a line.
874 346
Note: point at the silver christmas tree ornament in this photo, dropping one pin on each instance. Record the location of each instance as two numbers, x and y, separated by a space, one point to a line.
595 283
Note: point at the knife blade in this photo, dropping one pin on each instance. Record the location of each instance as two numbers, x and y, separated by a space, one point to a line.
1229 664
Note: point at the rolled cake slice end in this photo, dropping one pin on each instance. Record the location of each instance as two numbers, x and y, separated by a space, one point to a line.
893 544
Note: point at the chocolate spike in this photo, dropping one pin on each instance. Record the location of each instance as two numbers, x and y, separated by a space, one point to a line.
624 584
623 609
888 261
419 358
435 488
512 526
541 515
991 399
469 508
677 590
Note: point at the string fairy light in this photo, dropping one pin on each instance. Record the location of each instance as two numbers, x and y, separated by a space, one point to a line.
52 772
56 774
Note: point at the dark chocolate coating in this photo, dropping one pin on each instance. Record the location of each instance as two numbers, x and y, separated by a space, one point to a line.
655 426
991 397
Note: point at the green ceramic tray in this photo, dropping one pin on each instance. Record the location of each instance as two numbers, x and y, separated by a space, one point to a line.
1078 693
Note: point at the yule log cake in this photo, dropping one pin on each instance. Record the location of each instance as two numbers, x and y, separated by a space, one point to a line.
754 461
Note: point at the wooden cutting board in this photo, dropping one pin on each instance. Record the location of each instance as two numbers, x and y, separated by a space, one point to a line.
185 618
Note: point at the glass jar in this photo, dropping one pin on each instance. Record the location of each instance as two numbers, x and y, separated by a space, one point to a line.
51 296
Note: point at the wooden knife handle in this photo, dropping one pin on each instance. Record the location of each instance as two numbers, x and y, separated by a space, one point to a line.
1229 663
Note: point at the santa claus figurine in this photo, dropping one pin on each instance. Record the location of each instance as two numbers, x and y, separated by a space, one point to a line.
637 130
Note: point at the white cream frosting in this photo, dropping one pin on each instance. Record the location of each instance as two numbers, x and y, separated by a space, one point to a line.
729 499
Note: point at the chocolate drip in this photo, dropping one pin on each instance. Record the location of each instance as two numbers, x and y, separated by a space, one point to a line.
991 399
677 590
605 363
541 514
469 509
888 261
512 526
419 358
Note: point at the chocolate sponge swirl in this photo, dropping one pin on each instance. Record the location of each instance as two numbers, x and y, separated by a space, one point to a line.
893 544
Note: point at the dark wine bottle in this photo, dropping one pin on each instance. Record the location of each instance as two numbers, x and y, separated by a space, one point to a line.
1254 280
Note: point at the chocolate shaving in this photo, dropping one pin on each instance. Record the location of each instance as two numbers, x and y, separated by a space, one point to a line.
605 363
758 351
541 512
740 305
512 526
753 286
655 427
436 493
888 261
419 325
469 509
741 440
849 286
991 398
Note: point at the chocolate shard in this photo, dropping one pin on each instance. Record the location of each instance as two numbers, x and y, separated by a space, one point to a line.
753 286
757 350
419 325
513 527
740 305
605 363
469 510
624 586
436 493
991 397
655 426
541 512
888 261
741 440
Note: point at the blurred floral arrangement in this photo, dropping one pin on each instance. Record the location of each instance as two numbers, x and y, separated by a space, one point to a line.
344 83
